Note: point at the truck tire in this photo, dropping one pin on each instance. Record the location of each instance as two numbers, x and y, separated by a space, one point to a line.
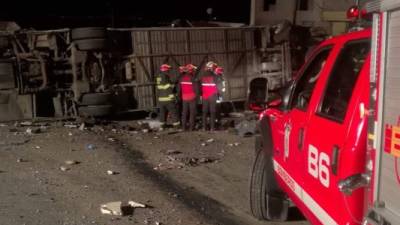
95 110
6 75
96 99
266 200
88 33
91 44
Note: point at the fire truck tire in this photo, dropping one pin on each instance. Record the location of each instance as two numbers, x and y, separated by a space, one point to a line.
95 110
88 33
96 99
6 75
91 44
267 202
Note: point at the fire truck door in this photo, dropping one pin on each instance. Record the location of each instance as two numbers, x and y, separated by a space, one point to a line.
327 136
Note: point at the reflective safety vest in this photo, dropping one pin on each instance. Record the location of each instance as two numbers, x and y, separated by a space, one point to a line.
187 88
209 86
165 90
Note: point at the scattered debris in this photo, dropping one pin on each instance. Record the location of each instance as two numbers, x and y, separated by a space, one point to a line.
194 161
70 126
234 144
63 168
145 131
112 208
71 162
82 127
246 128
205 160
136 204
211 140
119 208
20 160
110 172
236 115
90 147
26 123
173 152
111 139
33 130
154 124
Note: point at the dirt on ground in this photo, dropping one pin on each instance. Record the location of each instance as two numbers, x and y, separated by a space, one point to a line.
61 173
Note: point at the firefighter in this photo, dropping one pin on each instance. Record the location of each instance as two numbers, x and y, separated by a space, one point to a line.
219 72
211 89
166 97
188 90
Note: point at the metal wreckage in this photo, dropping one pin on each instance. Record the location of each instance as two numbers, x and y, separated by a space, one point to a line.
97 71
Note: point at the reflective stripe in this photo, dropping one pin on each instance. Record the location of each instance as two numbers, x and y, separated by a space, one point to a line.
166 99
189 83
163 87
310 203
208 84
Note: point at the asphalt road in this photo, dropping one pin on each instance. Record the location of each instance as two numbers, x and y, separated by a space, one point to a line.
183 178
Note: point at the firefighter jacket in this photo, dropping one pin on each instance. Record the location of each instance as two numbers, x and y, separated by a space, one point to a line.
165 88
211 85
188 87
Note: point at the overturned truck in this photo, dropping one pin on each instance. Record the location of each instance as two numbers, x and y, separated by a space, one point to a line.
97 71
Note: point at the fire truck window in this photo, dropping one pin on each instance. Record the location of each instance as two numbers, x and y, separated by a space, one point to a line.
342 80
305 85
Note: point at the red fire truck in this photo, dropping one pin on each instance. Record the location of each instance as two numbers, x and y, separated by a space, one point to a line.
313 150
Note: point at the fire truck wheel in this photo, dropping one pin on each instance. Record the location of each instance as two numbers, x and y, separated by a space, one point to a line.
267 202
91 44
88 33
96 99
95 110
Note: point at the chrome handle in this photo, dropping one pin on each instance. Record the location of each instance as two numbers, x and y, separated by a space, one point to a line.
351 183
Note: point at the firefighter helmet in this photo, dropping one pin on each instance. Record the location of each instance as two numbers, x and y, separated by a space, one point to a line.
183 69
211 65
191 68
165 67
219 70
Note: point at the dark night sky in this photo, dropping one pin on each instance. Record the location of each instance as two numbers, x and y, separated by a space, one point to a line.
73 13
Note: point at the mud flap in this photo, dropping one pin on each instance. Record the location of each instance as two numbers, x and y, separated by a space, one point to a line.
277 208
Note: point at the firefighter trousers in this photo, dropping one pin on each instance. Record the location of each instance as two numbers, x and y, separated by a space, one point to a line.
168 108
189 107
209 106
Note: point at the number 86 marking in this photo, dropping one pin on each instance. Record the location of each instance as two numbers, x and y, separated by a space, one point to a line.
318 165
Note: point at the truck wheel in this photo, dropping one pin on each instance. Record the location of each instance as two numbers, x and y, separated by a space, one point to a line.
88 33
96 99
266 200
91 44
95 110
6 75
